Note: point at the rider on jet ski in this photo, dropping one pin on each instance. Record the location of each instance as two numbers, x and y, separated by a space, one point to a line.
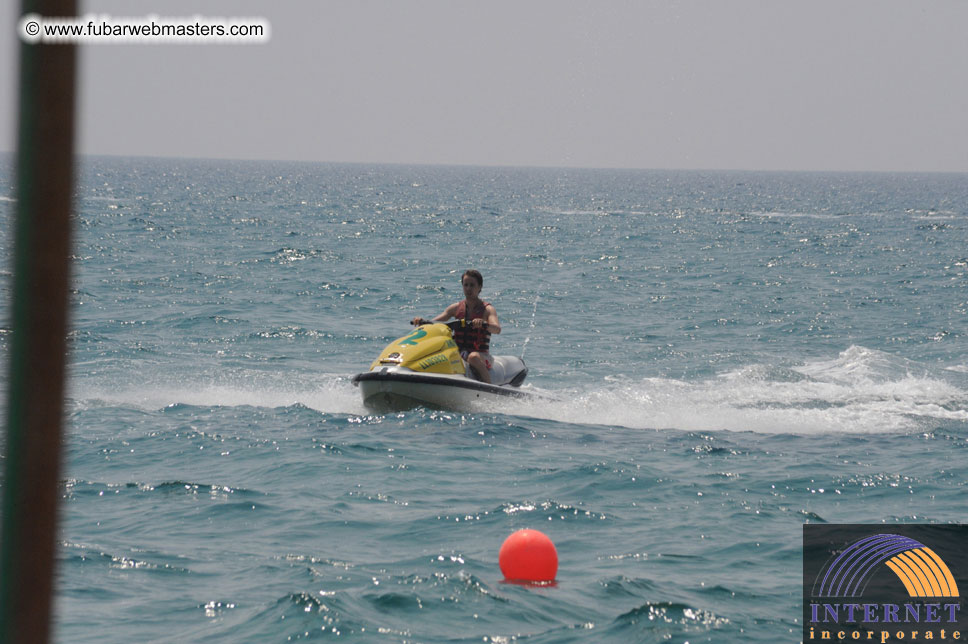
473 339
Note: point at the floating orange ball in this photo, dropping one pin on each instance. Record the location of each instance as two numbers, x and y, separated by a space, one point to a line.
528 555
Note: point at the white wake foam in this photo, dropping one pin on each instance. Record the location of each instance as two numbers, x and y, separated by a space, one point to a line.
860 391
328 393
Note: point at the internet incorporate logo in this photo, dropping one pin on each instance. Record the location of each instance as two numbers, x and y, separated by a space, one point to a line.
865 584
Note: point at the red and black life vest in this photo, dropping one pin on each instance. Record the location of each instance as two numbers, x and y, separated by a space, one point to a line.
467 337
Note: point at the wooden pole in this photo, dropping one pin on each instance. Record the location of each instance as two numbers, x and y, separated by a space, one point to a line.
31 486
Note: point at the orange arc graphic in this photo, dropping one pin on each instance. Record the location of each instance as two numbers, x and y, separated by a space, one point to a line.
902 575
938 575
952 586
923 573
926 577
916 581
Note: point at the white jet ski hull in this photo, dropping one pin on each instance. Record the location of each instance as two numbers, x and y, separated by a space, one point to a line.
397 388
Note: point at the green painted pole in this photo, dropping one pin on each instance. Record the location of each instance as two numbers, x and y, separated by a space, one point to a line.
41 261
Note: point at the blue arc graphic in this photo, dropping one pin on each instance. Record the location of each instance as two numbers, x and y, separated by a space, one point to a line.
847 575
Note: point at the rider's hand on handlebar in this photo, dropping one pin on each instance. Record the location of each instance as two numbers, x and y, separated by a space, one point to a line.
418 321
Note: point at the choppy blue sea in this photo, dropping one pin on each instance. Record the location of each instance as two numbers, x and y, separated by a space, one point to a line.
733 353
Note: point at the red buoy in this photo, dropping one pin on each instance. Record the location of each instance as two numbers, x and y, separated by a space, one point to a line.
528 555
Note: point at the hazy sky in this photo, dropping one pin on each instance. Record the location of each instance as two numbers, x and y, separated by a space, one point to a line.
748 84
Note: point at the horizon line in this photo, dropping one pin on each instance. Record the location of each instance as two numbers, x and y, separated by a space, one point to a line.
510 166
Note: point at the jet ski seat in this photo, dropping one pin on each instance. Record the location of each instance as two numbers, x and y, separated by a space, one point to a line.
505 370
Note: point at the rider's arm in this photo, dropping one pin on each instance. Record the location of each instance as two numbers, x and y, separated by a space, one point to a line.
492 324
447 314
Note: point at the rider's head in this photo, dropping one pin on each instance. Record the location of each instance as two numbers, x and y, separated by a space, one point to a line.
472 282
476 275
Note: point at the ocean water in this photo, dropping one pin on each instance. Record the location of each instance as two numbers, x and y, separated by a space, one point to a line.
732 355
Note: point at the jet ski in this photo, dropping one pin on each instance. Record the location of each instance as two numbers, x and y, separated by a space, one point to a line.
425 368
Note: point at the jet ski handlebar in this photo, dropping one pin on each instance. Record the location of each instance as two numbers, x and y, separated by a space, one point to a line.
453 325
